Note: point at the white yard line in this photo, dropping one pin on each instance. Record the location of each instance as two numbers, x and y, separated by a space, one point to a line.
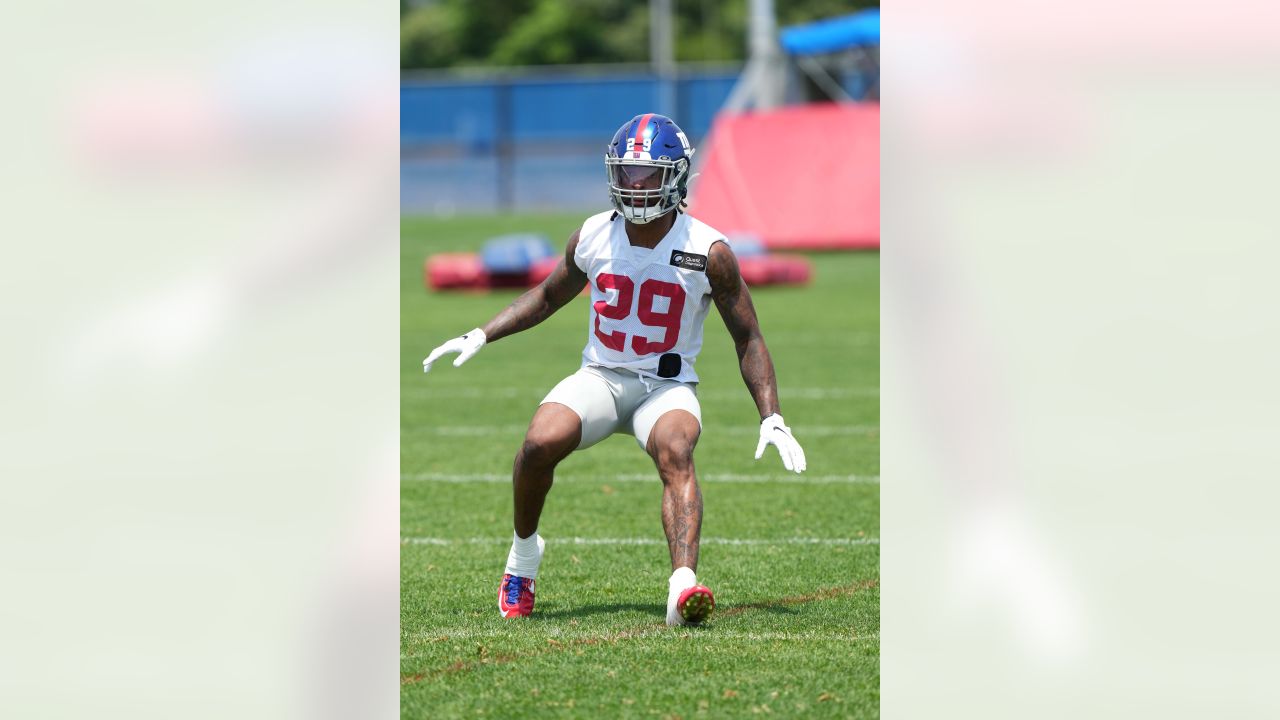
794 394
479 392
445 542
718 395
801 431
505 478
555 633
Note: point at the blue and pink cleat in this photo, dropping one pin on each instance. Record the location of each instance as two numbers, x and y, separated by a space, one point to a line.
515 596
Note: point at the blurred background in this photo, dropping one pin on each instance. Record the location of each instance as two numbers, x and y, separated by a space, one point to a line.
199 398
507 106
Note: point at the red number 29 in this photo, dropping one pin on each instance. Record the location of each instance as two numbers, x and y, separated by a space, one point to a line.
669 320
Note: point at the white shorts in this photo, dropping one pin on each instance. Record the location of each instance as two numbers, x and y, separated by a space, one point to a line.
610 400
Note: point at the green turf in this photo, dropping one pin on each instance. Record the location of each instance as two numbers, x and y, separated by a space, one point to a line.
796 628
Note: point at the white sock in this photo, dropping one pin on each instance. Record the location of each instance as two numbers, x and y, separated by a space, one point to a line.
682 579
525 556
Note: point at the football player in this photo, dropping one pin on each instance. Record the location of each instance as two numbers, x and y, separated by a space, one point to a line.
654 272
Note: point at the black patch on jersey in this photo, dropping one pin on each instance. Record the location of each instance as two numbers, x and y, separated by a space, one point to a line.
689 261
669 365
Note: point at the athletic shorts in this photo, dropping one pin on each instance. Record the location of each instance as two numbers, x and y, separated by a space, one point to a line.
610 400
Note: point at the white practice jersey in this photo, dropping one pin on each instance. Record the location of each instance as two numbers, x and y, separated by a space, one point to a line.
647 306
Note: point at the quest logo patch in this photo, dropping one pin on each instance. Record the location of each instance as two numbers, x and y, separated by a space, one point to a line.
689 261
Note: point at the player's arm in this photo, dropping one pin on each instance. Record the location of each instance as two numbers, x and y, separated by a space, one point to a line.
733 300
562 285
535 305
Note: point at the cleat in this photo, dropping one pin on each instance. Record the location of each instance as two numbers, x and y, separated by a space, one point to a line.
515 596
695 604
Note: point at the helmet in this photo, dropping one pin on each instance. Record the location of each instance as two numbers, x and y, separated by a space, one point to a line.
647 166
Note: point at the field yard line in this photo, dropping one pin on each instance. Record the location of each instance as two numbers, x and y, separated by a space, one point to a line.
642 541
799 393
640 477
801 431
448 634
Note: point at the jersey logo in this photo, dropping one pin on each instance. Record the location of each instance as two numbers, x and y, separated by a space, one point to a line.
689 261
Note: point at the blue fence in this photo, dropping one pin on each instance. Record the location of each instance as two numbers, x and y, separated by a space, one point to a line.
530 142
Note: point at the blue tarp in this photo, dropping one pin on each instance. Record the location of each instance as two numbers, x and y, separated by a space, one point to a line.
515 253
833 34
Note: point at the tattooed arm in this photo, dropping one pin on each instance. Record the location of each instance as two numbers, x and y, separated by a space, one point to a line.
531 308
734 302
541 302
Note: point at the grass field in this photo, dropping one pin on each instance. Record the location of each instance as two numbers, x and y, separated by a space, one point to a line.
793 561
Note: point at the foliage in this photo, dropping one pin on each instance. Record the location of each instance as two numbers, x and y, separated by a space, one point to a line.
499 33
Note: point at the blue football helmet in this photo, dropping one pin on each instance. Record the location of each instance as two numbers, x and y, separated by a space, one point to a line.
647 166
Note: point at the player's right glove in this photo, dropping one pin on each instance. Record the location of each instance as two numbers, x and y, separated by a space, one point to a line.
466 345
774 432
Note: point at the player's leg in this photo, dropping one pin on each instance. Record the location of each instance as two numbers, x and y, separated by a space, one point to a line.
577 413
668 425
554 432
671 443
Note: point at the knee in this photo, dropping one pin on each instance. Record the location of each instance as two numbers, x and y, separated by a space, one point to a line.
543 450
675 454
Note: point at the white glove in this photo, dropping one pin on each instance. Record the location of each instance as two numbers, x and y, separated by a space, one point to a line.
774 432
466 346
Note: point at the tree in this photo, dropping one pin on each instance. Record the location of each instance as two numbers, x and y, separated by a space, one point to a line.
452 33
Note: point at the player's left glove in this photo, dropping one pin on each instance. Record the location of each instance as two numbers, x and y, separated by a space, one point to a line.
774 432
466 345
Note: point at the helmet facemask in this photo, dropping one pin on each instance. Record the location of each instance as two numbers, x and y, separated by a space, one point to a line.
644 190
